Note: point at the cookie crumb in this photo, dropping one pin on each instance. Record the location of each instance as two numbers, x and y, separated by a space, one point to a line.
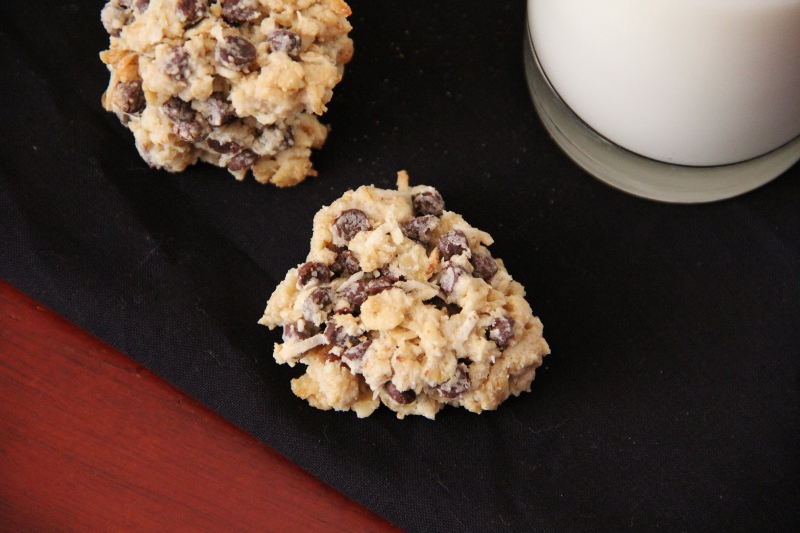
402 181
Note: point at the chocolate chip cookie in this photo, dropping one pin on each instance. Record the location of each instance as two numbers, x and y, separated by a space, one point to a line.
400 302
234 83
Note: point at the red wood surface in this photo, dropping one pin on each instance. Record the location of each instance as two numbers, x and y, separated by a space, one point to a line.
92 441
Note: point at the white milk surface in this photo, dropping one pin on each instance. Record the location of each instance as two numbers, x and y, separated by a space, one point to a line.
691 82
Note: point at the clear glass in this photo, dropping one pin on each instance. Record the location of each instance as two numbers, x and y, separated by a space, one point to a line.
642 176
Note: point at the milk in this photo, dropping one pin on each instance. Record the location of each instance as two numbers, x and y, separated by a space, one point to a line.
690 82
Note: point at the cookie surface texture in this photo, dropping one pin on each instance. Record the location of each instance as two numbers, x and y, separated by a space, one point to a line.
235 83
400 302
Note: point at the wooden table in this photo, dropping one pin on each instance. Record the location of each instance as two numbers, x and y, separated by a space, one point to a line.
92 441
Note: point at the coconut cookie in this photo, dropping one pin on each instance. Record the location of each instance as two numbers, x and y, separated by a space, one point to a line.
234 83
401 302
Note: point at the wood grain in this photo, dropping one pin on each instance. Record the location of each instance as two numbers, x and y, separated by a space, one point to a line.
92 441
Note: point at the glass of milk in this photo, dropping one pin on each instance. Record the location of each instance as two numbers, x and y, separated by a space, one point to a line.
673 100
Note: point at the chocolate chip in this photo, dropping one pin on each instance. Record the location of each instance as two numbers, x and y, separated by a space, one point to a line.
243 161
128 97
338 265
318 300
457 387
345 263
338 336
420 228
191 11
356 353
428 203
454 242
175 64
501 332
331 357
224 148
285 41
235 52
333 332
313 271
404 397
216 109
438 303
483 265
355 293
349 223
292 333
378 285
141 5
321 297
449 277
185 122
177 110
237 12
191 130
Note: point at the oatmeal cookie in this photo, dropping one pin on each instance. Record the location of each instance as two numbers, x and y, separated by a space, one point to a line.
235 83
401 302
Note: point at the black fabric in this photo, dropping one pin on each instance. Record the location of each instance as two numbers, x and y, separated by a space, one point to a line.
671 400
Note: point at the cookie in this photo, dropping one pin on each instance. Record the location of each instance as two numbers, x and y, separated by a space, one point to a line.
400 302
234 83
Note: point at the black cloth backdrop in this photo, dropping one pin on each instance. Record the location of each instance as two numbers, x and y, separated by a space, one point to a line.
671 399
